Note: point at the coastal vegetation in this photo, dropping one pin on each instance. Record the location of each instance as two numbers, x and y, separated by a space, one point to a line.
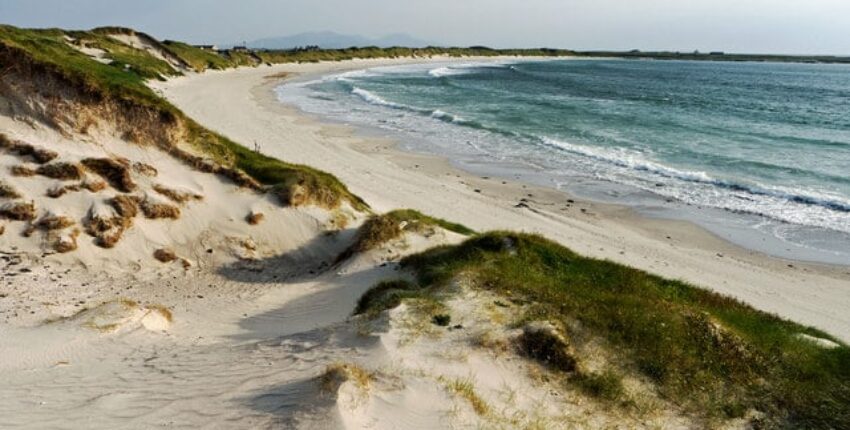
380 229
708 353
117 86
712 354
198 59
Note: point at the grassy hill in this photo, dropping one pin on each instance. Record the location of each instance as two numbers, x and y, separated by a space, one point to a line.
710 353
118 79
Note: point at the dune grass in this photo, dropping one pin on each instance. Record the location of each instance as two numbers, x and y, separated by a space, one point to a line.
709 352
123 81
386 295
465 389
380 229
198 59
48 51
125 57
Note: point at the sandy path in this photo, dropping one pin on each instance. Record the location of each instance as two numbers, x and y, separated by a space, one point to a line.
241 105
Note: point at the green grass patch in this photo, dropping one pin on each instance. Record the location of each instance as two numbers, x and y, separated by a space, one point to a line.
386 295
198 59
49 52
606 385
380 229
709 352
125 57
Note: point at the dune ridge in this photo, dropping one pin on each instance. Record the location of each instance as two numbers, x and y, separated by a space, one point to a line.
157 273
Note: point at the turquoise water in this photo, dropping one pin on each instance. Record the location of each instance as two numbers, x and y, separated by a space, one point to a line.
770 142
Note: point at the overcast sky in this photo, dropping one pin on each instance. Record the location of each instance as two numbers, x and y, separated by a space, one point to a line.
764 26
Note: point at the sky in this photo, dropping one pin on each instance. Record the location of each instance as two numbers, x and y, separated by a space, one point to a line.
747 26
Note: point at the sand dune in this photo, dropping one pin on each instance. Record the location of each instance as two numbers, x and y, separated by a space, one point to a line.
246 320
241 104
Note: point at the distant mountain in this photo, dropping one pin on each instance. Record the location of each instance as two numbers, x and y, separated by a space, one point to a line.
331 40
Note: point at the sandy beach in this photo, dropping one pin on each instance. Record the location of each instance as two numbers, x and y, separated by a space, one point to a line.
242 105
250 324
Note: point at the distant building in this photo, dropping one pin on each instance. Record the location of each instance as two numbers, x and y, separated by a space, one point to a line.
207 47
240 48
717 53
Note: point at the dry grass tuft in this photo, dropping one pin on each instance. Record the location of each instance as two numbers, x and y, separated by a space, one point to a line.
254 218
465 388
175 195
155 210
94 186
108 228
22 171
54 222
8 192
61 170
162 310
339 219
43 156
114 171
339 373
18 211
165 255
17 147
492 341
126 206
145 169
67 243
61 190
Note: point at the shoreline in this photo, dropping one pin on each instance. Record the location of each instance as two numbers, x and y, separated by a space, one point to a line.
242 105
752 231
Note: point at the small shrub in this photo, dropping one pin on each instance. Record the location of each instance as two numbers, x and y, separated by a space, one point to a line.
255 218
442 320
544 343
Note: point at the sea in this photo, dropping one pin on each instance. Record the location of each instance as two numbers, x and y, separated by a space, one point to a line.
757 153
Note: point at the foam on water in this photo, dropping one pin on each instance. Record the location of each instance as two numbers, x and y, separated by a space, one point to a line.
643 125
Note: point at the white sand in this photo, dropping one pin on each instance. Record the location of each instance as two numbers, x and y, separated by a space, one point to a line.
253 330
241 105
